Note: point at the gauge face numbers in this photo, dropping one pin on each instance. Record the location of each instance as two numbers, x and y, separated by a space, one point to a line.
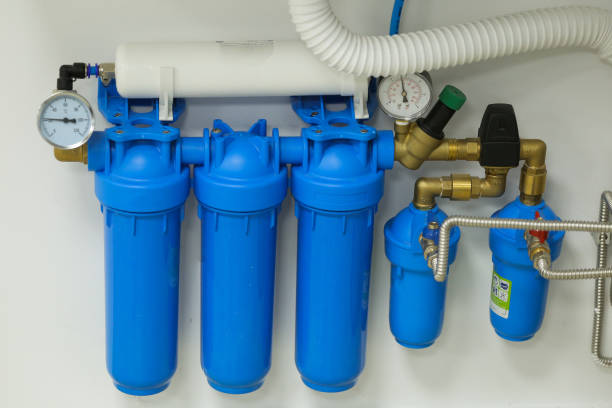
66 120
406 97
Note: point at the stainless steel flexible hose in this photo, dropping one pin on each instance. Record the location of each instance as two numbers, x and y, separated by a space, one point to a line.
600 288
511 223
543 267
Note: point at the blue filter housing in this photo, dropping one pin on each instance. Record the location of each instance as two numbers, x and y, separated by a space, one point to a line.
416 310
336 186
142 187
240 187
518 292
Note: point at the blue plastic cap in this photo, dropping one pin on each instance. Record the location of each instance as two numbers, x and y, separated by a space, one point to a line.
142 175
510 244
402 233
341 171
242 171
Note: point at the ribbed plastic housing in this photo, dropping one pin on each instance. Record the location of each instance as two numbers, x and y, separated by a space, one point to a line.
142 187
336 189
518 292
416 309
240 188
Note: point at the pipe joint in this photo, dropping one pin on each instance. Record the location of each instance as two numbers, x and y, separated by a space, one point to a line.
412 144
76 155
459 187
533 173
456 149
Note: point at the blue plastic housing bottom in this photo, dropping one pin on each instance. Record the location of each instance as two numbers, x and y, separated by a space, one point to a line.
417 301
528 304
525 292
333 277
142 283
416 308
238 262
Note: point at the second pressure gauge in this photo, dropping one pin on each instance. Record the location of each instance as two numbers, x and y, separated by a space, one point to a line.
405 97
66 120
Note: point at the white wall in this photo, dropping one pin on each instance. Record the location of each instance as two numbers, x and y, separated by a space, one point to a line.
51 285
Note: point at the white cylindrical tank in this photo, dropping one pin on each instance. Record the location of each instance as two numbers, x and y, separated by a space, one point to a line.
228 69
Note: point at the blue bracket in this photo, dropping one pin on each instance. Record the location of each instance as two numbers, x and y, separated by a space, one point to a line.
318 110
119 110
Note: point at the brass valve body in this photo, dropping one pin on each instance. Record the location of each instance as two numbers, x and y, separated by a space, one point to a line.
412 145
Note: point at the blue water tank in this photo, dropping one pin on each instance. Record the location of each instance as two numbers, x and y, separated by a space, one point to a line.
416 309
336 188
240 187
142 187
518 292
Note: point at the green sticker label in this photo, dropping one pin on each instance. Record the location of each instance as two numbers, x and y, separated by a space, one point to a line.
500 295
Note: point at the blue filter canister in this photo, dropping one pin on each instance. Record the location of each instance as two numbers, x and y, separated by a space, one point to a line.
240 188
336 189
142 188
518 292
416 310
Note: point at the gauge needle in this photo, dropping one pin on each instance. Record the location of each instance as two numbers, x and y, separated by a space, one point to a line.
65 120
404 93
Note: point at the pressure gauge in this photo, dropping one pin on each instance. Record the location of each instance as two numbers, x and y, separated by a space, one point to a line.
405 97
66 120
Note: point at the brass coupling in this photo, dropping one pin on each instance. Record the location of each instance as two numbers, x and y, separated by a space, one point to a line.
537 249
459 187
456 149
430 248
533 173
412 145
76 155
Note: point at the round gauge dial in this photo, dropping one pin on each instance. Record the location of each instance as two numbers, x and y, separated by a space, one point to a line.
66 120
406 97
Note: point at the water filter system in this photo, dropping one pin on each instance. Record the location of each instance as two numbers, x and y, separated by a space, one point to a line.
145 169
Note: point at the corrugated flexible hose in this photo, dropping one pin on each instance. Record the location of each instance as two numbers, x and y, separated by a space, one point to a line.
600 288
460 44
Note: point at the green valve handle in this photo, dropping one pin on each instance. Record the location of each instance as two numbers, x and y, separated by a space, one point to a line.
450 101
452 97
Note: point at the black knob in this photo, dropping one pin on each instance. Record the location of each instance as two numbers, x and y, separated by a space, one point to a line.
500 145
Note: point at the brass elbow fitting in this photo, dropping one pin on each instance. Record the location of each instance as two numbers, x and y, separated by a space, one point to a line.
533 172
76 155
459 187
412 145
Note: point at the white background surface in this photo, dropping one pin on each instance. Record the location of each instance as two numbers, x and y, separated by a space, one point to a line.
51 286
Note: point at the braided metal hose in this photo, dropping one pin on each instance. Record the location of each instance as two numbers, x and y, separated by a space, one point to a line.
512 223
600 288
543 267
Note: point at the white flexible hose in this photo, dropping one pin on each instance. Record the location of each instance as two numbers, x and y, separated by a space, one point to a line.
450 46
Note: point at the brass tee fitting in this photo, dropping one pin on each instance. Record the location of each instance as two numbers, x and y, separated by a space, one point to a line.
412 145
76 155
